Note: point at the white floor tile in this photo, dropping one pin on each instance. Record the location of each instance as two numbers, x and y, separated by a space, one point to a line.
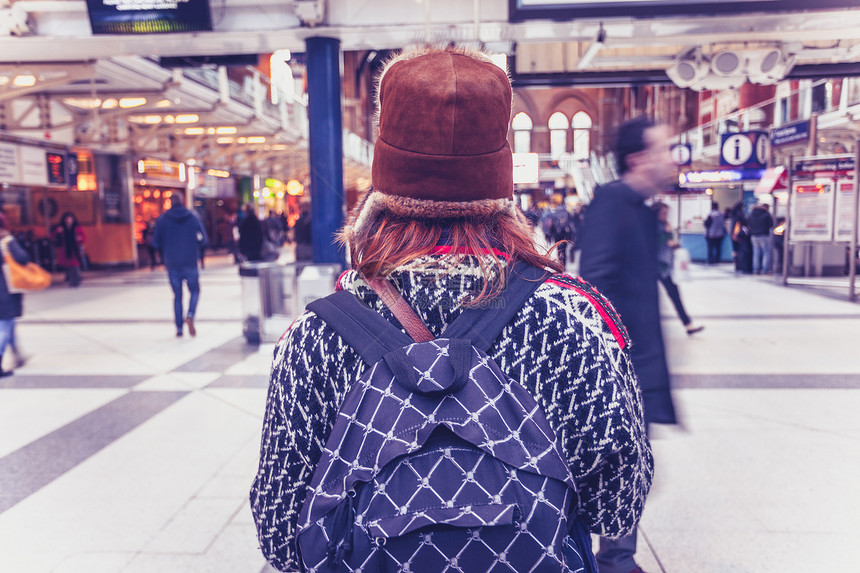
197 525
179 381
29 414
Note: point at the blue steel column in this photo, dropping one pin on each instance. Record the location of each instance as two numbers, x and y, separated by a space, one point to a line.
326 147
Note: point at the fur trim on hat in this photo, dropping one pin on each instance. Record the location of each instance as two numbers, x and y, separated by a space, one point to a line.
375 203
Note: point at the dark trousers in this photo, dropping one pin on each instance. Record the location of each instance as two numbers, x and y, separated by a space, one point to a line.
715 249
675 297
616 556
73 276
190 276
152 256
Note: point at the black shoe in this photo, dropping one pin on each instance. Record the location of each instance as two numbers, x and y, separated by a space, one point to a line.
179 334
694 328
4 373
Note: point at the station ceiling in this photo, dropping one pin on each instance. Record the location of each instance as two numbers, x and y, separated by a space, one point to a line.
51 41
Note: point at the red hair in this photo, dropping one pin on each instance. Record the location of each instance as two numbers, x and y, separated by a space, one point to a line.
389 241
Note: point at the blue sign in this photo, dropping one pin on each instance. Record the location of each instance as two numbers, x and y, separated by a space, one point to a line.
827 166
682 153
707 178
788 134
747 149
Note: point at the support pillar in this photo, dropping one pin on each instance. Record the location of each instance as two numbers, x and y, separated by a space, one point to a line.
326 147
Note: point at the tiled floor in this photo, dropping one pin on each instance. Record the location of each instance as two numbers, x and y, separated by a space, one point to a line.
125 449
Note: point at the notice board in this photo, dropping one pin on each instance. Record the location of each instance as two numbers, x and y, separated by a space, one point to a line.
812 205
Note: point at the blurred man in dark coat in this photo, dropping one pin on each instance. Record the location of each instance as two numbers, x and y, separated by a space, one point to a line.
619 257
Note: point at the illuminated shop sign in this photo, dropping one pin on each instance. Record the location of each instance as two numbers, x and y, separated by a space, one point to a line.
148 16
56 168
719 176
157 168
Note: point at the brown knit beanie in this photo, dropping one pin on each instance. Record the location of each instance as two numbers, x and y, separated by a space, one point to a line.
442 149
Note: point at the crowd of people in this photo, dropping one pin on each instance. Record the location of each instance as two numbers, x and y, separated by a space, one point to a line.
261 239
557 226
756 244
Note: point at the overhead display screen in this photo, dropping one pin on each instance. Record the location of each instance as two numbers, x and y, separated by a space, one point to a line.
149 16
522 10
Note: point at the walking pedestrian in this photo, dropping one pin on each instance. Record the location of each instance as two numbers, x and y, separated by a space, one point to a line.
440 237
741 240
715 231
11 304
69 238
760 225
179 235
250 235
303 234
619 257
666 245
146 233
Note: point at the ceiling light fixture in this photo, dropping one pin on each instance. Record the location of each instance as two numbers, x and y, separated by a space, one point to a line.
24 81
130 102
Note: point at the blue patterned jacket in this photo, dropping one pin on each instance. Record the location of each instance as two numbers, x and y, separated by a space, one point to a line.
566 346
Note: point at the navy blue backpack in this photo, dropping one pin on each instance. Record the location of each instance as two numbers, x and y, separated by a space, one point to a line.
437 461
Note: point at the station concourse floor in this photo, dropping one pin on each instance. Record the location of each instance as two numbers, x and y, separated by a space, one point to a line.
126 449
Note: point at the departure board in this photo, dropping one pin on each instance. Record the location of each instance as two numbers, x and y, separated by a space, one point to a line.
148 16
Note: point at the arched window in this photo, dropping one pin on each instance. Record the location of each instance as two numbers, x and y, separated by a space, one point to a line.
581 135
522 126
557 134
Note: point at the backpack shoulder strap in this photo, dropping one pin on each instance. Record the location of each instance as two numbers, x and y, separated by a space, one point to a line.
361 327
483 325
401 310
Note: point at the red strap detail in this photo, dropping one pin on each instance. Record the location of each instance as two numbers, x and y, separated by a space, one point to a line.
337 285
616 332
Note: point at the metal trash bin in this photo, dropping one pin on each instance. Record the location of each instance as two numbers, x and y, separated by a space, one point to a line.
274 294
253 278
315 281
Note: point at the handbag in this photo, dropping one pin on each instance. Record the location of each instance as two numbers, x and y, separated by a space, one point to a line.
681 270
22 278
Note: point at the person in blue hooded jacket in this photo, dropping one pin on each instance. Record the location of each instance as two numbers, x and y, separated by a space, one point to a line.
180 235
